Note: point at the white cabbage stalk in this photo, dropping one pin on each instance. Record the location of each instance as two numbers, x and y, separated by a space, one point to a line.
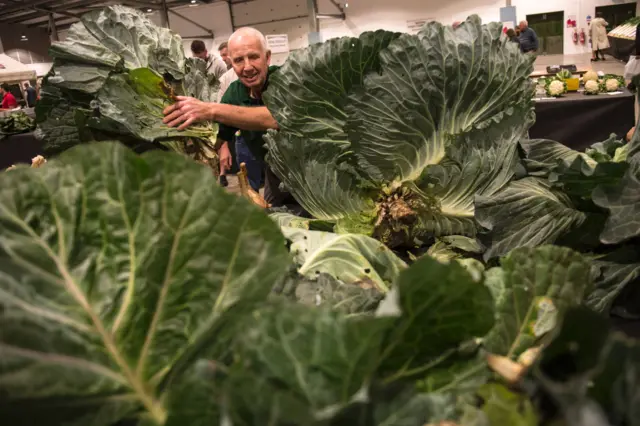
556 88
612 85
592 87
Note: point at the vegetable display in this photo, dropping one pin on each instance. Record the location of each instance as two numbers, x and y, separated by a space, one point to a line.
454 272
111 79
16 123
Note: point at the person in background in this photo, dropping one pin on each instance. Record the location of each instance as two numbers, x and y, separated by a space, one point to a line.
511 35
215 66
528 38
31 95
239 151
8 100
599 39
223 49
241 108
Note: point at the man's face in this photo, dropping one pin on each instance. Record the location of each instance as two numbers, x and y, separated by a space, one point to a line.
522 26
249 61
224 54
202 55
2 92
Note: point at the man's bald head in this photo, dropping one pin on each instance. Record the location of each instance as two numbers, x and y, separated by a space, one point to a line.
247 33
250 57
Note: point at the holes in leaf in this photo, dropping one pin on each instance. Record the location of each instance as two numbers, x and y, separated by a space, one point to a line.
367 270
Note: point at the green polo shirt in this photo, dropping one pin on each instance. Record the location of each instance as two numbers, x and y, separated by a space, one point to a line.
238 94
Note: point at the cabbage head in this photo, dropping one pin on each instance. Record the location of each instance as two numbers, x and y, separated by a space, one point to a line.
394 135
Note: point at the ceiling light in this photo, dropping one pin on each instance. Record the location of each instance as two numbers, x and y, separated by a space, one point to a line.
194 1
149 10
24 36
346 4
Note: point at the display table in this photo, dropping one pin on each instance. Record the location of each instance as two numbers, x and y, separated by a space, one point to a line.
577 120
19 149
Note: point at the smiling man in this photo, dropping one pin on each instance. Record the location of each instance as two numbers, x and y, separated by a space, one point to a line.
241 108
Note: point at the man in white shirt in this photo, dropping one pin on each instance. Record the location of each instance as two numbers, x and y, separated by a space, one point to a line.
215 66
225 81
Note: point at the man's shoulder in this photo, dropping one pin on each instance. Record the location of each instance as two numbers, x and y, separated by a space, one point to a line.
234 93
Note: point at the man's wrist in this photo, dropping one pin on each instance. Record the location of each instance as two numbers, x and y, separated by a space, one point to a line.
212 112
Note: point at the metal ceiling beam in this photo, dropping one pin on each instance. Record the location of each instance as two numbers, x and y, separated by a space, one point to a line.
24 5
252 24
314 25
337 5
53 30
59 12
38 14
192 22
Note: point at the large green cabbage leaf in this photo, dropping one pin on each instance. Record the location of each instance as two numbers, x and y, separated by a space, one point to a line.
394 135
86 86
116 270
351 258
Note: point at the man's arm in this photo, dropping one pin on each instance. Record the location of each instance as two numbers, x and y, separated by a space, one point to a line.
536 43
187 111
247 118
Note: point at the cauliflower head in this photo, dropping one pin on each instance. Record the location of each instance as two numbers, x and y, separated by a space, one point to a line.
612 85
591 87
590 76
556 88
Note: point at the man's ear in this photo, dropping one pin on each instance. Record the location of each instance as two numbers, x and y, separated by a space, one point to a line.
268 57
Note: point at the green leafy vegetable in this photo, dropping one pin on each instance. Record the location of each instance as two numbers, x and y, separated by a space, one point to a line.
400 153
15 123
351 258
537 286
117 271
111 79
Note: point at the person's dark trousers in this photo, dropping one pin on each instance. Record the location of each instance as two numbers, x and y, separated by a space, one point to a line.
272 193
255 167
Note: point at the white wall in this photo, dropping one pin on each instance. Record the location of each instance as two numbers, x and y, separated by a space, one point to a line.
363 15
367 15
214 16
579 8
289 16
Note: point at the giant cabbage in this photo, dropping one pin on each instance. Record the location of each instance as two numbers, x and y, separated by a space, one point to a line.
394 135
111 79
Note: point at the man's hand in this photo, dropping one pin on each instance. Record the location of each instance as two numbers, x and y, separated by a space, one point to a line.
225 157
187 111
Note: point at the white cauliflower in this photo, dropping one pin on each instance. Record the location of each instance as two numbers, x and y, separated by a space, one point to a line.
612 85
556 88
591 87
590 76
